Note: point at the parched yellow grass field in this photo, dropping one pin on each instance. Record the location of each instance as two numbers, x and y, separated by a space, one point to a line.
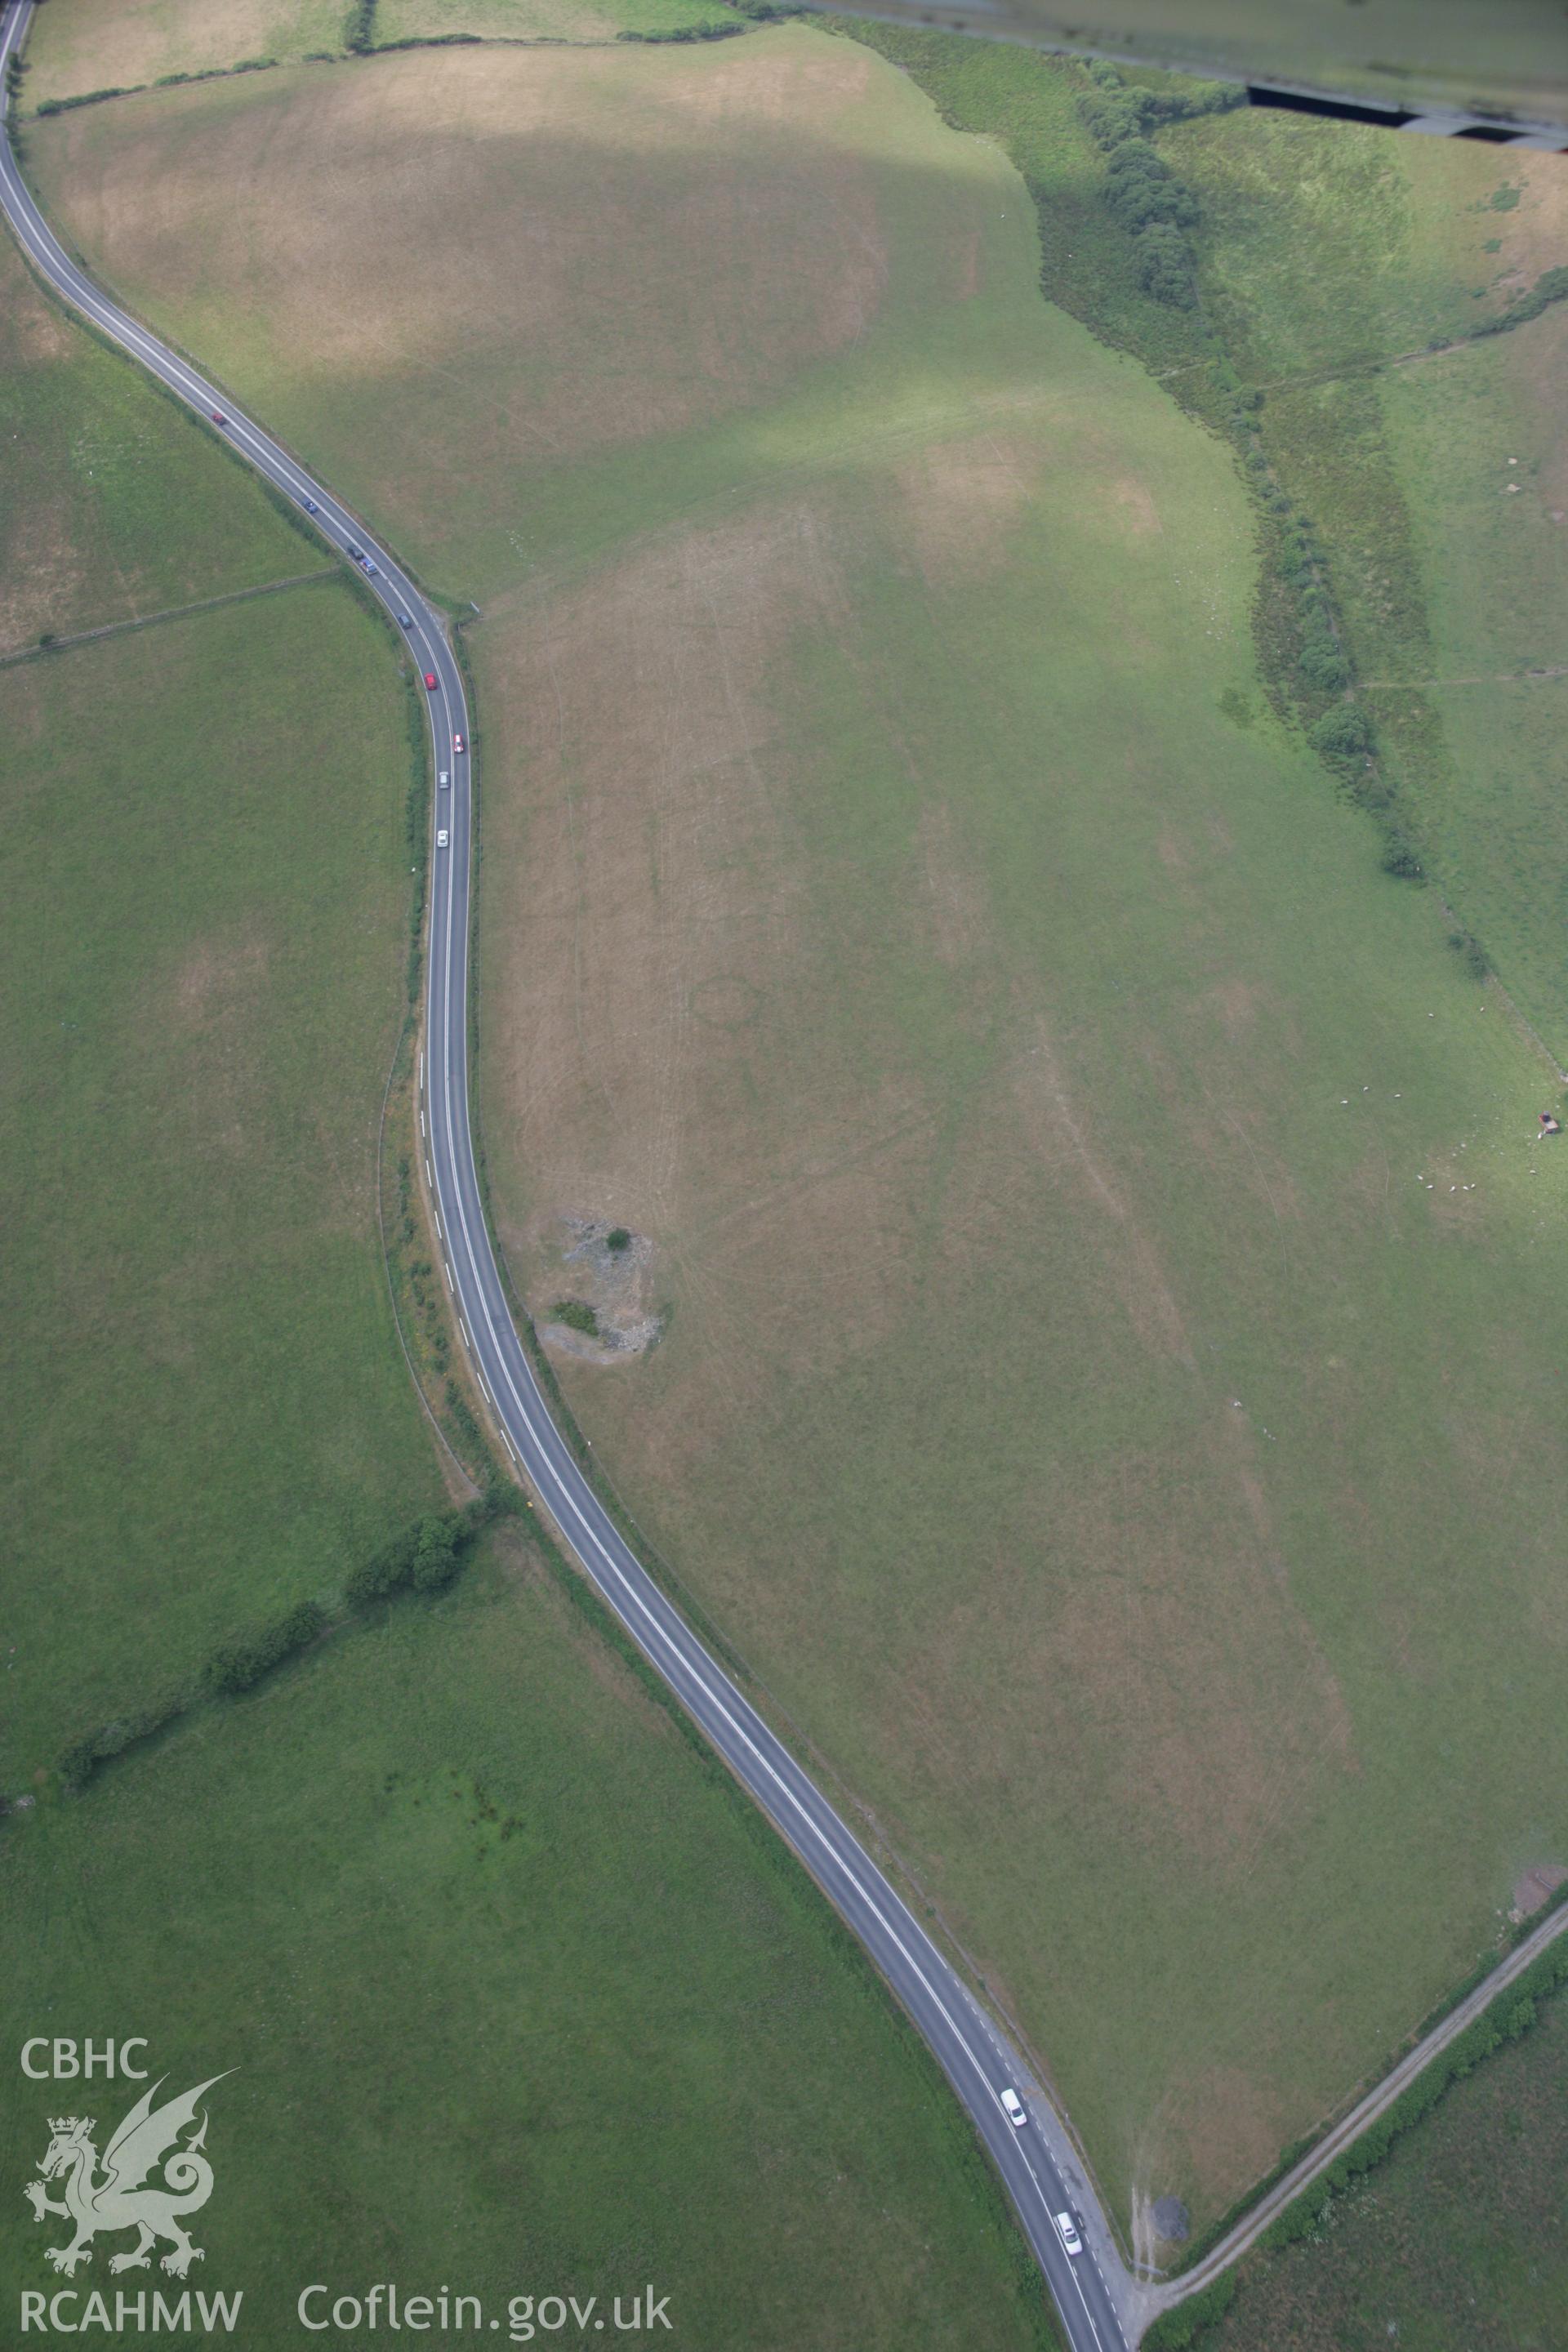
1113 1320
81 45
500 333
541 20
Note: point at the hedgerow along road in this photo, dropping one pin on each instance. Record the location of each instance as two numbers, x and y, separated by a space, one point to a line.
1036 2161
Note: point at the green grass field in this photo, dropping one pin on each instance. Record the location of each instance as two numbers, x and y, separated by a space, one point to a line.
96 524
1478 733
1111 1347
1439 570
207 888
1448 563
1454 2244
521 1999
207 899
1400 240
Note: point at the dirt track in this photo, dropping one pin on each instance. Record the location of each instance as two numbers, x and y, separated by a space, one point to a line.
1153 2300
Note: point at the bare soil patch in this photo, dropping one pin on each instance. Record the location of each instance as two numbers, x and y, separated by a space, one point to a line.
962 495
1533 1889
32 335
216 975
1228 2127
1132 502
41 567
610 1276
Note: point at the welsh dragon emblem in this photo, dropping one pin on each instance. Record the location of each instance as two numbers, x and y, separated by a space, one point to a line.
148 2140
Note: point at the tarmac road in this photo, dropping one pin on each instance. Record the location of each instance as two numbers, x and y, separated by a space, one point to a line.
1039 2164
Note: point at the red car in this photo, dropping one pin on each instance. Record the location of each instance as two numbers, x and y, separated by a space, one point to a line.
430 680
457 742
218 417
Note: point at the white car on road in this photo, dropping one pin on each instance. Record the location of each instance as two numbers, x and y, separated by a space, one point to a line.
1067 2231
1013 2109
441 838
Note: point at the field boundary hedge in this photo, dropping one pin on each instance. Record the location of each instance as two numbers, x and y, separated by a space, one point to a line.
51 644
424 1557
